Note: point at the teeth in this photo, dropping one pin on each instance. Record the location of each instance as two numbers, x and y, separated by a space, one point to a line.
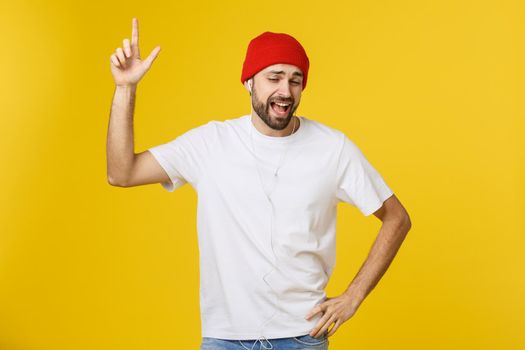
282 104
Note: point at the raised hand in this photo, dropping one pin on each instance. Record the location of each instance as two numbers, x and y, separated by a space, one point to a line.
126 66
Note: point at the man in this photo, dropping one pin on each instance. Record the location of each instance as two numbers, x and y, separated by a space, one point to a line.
268 185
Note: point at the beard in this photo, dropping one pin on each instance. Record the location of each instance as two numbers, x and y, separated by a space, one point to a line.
263 111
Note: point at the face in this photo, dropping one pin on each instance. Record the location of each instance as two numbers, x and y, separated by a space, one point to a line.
276 93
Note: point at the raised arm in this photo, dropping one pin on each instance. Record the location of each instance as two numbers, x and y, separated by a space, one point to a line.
124 167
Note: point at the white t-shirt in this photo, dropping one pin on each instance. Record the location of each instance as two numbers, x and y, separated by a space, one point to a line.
266 242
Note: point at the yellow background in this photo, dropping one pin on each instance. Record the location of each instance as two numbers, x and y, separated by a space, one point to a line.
431 91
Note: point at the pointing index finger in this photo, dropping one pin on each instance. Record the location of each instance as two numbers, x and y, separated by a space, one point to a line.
135 36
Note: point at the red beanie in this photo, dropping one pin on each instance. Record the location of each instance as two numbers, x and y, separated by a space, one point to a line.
272 48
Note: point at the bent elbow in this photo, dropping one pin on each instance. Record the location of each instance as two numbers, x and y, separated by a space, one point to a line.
116 182
407 222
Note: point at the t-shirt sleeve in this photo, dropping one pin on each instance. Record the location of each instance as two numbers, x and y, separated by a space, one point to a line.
358 182
183 158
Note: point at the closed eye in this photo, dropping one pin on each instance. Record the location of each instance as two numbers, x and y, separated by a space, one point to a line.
293 81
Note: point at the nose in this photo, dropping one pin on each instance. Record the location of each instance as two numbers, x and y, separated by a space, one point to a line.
284 90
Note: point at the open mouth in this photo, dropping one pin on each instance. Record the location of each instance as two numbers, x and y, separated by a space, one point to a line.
281 108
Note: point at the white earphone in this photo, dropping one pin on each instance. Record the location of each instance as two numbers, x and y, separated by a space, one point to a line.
250 85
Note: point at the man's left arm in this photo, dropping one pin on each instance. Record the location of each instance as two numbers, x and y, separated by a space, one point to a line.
395 226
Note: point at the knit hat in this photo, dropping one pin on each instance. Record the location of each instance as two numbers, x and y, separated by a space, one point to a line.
272 48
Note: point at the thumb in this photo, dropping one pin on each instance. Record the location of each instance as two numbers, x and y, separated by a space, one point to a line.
152 56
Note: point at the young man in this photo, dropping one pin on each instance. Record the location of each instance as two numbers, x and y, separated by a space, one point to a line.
268 186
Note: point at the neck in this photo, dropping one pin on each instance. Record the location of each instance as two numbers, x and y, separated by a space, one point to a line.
261 126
